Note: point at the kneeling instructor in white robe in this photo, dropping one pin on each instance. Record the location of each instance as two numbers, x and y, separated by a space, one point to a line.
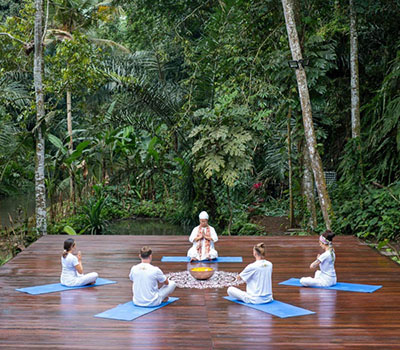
258 278
203 238
146 279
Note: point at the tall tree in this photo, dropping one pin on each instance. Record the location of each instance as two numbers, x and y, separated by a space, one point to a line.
40 188
305 102
354 80
308 190
70 147
290 168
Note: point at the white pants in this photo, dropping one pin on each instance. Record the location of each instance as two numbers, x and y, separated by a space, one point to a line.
80 280
166 290
163 292
236 293
193 254
320 280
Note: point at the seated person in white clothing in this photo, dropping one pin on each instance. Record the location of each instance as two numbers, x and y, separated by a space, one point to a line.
72 269
326 276
258 279
203 238
146 279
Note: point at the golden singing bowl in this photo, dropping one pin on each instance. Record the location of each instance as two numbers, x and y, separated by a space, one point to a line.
201 273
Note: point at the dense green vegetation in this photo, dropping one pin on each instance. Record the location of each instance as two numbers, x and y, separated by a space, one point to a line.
183 105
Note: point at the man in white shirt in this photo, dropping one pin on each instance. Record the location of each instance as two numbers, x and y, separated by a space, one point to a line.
146 279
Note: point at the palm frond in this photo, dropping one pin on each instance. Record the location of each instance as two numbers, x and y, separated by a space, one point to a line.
12 92
144 95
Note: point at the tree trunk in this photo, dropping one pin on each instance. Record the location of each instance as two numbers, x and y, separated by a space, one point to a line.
70 148
354 80
289 141
308 188
230 210
40 188
311 140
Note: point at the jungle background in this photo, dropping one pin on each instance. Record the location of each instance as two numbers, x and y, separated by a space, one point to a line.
165 108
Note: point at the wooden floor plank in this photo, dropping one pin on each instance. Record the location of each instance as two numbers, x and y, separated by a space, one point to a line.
201 319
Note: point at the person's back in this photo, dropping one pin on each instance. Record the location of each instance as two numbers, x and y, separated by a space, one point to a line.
327 265
72 269
145 278
258 279
68 272
257 276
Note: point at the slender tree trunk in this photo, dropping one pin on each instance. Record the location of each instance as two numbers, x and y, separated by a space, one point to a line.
230 210
311 140
70 148
354 80
289 141
40 188
69 121
308 188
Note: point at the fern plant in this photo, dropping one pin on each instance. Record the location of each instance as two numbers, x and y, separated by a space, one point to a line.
222 144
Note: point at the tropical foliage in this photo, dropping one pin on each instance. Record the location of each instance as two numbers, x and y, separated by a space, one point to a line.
178 106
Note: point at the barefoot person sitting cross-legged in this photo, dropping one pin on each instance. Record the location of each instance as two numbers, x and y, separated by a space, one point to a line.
258 279
146 279
72 268
203 238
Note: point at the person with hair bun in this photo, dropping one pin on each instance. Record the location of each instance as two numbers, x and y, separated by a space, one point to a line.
72 268
326 275
146 279
203 238
258 279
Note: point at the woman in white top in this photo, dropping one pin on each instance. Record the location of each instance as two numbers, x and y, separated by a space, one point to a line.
326 275
72 269
258 279
203 238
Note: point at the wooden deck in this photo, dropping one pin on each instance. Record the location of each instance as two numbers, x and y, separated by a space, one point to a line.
201 319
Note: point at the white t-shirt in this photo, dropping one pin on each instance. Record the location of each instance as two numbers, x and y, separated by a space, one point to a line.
69 272
258 278
145 278
327 264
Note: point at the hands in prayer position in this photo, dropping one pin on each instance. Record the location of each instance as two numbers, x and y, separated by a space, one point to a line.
202 235
203 238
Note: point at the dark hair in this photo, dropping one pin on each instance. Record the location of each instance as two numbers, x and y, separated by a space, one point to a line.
328 234
68 244
145 252
260 249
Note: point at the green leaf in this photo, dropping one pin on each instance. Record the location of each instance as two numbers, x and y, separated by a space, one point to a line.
57 142
382 244
69 230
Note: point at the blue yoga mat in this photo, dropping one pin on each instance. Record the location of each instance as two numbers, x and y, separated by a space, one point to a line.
187 259
276 308
58 287
129 311
348 287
